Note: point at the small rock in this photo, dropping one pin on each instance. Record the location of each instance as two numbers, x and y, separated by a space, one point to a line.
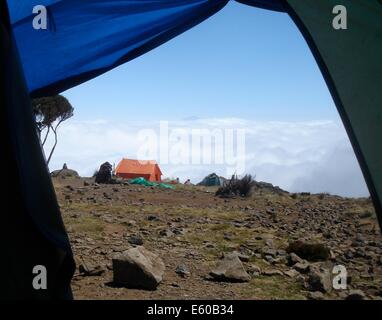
316 295
182 270
319 280
280 260
227 236
152 218
177 231
301 267
269 259
254 270
355 295
294 258
281 252
87 269
241 256
269 252
130 223
269 243
135 240
292 273
166 233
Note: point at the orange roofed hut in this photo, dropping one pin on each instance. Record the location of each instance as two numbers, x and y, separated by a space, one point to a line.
130 169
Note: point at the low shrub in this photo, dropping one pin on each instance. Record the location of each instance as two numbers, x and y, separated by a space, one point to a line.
237 187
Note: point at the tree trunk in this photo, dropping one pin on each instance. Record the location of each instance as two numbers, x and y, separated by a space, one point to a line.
46 135
54 146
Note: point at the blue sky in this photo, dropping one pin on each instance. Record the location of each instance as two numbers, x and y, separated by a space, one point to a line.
242 61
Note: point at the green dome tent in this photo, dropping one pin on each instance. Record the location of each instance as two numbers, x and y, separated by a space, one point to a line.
35 63
212 180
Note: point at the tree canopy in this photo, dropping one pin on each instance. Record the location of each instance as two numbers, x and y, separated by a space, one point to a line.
49 113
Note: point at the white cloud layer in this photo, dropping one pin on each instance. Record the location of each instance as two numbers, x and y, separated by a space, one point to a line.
314 156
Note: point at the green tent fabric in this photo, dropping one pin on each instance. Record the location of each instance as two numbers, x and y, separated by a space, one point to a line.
351 63
143 182
212 180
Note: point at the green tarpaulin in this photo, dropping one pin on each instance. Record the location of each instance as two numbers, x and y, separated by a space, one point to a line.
144 182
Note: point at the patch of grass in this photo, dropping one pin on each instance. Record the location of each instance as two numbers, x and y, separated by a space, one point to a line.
85 224
309 251
216 235
276 287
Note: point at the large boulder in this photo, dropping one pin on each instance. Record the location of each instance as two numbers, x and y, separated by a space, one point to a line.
230 269
104 173
65 172
138 268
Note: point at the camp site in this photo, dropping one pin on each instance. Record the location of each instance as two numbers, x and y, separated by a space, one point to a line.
191 150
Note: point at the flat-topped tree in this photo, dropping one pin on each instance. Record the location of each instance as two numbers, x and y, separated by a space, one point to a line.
49 113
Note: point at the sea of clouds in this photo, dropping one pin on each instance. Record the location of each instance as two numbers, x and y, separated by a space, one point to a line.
309 156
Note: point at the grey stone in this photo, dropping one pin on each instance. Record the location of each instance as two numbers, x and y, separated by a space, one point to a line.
166 233
269 243
182 270
135 240
316 295
88 269
269 252
138 268
230 268
292 273
302 267
319 280
355 295
153 218
294 258
241 256
254 270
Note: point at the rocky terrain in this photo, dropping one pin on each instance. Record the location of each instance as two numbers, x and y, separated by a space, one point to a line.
187 243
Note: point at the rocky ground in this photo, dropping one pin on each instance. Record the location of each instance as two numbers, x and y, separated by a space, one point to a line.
214 248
